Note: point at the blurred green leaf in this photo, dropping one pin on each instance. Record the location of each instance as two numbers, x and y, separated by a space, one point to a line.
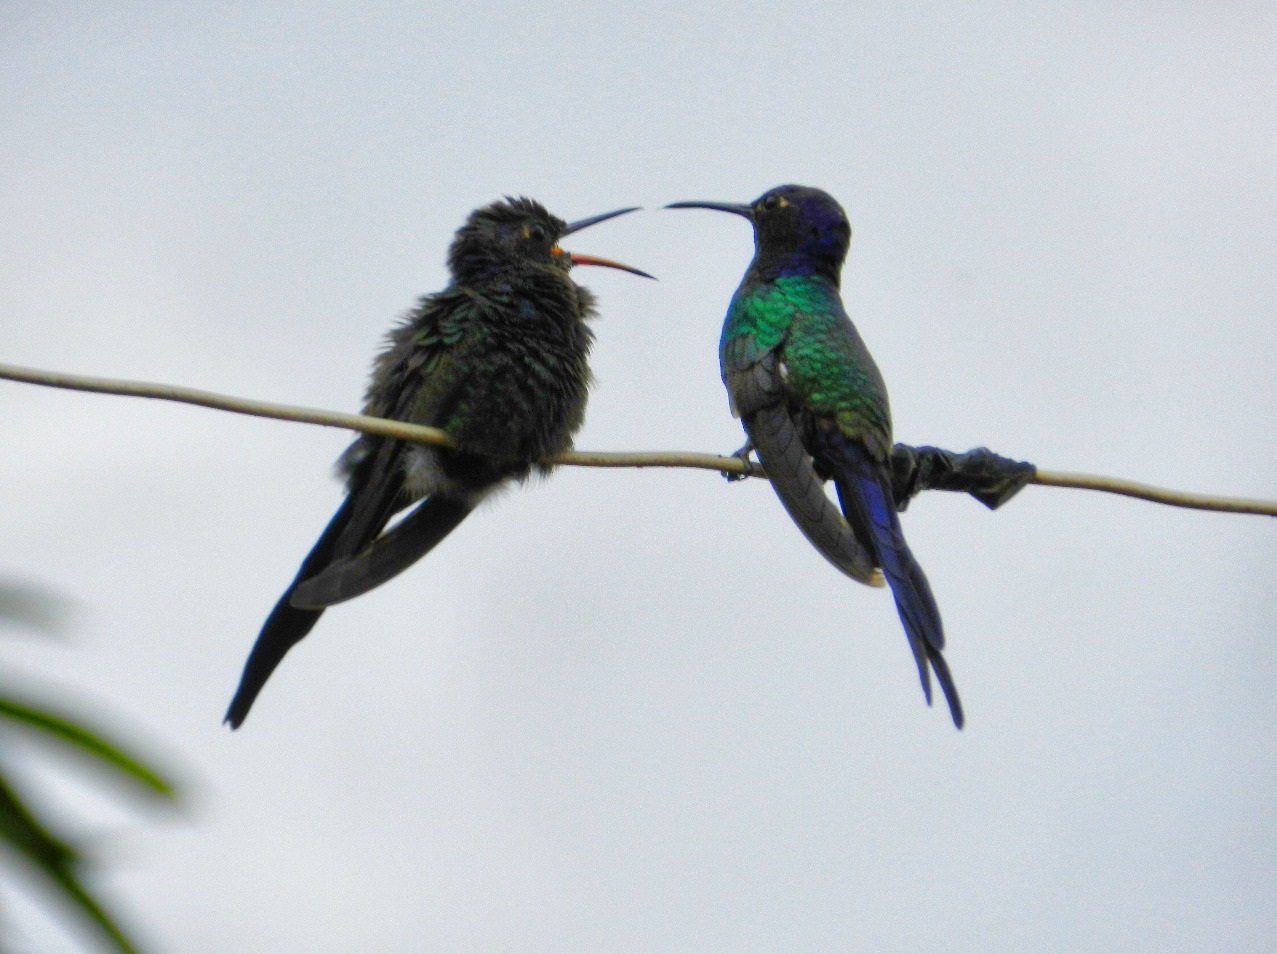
21 828
55 859
32 607
88 742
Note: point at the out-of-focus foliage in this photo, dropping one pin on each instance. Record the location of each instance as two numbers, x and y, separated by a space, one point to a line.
22 826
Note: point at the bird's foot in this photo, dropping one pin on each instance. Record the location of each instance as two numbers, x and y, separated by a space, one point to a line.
743 456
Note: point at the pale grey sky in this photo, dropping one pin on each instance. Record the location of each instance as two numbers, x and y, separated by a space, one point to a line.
634 711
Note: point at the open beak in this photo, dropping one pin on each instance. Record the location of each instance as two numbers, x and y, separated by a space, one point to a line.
590 259
743 210
576 259
596 219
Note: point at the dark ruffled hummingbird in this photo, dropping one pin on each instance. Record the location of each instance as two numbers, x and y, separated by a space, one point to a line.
499 361
814 406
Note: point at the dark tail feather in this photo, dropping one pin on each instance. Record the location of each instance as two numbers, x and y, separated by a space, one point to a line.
801 490
387 556
947 686
285 627
864 485
372 499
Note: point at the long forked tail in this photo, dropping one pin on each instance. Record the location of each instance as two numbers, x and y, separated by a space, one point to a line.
864 490
800 489
369 503
287 625
387 556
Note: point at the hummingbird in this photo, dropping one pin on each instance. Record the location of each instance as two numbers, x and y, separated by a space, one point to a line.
499 361
814 406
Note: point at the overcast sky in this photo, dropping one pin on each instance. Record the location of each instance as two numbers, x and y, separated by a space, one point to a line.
633 711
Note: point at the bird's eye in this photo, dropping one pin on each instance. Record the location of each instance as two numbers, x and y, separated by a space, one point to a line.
536 232
773 202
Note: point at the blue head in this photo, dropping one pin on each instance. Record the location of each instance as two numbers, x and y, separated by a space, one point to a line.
797 230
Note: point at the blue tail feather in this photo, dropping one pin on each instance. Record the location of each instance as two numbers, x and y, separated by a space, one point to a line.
864 490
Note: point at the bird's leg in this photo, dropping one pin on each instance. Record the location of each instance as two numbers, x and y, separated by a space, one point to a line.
742 455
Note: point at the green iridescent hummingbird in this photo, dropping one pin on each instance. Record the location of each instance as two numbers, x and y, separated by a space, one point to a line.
814 406
498 360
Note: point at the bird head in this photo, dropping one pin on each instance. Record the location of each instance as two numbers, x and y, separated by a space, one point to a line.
795 228
518 234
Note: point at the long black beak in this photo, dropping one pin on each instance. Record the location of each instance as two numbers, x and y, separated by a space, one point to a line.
596 219
742 210
590 259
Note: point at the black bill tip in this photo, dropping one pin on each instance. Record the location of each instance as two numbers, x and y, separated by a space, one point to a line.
734 208
596 219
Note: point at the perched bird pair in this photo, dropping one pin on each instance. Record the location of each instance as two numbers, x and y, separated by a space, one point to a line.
498 359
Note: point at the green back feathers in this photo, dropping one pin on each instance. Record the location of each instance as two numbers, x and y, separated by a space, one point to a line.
826 365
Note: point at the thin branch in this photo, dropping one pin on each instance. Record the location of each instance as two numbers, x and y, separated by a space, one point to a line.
432 435
225 402
1162 495
359 422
